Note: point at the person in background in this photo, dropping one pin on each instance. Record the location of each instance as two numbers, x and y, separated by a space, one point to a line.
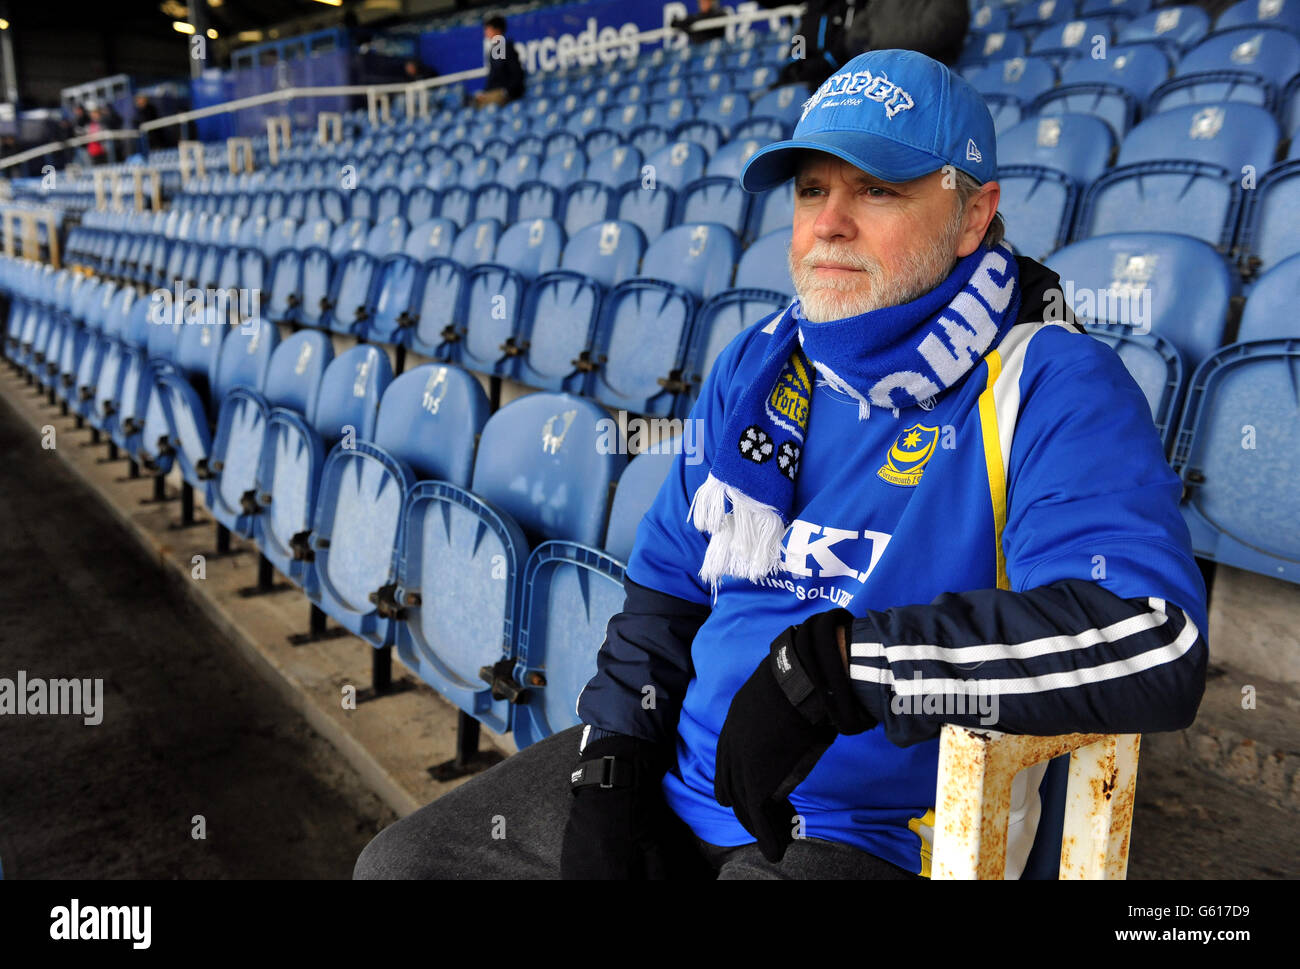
95 149
709 9
835 31
145 111
505 80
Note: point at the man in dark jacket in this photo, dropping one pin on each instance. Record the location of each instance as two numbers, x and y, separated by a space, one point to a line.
505 80
808 606
833 31
699 35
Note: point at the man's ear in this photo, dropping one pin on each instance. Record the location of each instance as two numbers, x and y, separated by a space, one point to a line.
980 210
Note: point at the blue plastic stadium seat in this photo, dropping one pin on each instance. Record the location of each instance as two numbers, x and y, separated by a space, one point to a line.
1239 454
585 203
992 45
1042 163
518 169
1023 78
421 204
1249 64
685 266
1181 171
1272 214
571 591
762 286
1042 13
783 103
537 477
561 306
494 201
1270 308
562 168
349 236
1272 13
1109 88
426 428
772 210
1071 38
677 164
387 237
291 380
440 302
648 138
1157 368
495 294
1141 278
1178 27
989 18
457 204
294 449
715 198
348 305
726 110
616 166
730 158
434 237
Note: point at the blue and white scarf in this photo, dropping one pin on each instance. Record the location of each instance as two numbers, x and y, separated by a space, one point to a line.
890 358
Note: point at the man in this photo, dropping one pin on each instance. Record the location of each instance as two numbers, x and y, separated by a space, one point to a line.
699 35
921 484
144 112
505 80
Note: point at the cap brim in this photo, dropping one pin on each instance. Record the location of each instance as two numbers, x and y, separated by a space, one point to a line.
886 159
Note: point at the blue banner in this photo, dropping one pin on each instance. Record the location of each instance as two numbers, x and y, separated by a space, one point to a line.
554 38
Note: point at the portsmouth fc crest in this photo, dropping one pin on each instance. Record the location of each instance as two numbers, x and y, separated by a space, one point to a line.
908 455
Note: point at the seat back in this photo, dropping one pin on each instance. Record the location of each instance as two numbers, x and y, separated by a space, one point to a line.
294 372
698 257
477 242
245 357
538 462
608 252
431 417
1137 282
349 394
766 264
1077 145
1270 308
433 237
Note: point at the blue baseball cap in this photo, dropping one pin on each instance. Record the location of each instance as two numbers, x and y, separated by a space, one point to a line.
895 114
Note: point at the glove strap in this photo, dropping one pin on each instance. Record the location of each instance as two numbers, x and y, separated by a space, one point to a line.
794 679
608 771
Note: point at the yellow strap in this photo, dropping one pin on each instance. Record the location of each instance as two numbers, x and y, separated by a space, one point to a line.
993 463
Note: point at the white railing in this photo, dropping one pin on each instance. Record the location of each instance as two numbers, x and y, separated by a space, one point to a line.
411 89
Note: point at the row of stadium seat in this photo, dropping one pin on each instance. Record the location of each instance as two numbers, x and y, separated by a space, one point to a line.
398 507
1130 81
1178 26
482 300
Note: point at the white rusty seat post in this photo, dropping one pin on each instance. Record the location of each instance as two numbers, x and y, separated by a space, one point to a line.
973 801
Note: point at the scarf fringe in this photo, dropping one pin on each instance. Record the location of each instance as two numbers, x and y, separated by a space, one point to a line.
744 542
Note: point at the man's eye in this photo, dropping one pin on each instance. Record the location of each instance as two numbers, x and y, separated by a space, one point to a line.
875 191
808 191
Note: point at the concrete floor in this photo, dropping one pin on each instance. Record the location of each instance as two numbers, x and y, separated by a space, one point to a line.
189 728
210 711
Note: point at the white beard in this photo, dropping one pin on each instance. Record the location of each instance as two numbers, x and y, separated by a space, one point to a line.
824 300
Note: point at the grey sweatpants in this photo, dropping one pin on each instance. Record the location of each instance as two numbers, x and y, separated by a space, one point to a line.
508 822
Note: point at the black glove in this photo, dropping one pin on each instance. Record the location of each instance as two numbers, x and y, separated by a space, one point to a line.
626 830
780 723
